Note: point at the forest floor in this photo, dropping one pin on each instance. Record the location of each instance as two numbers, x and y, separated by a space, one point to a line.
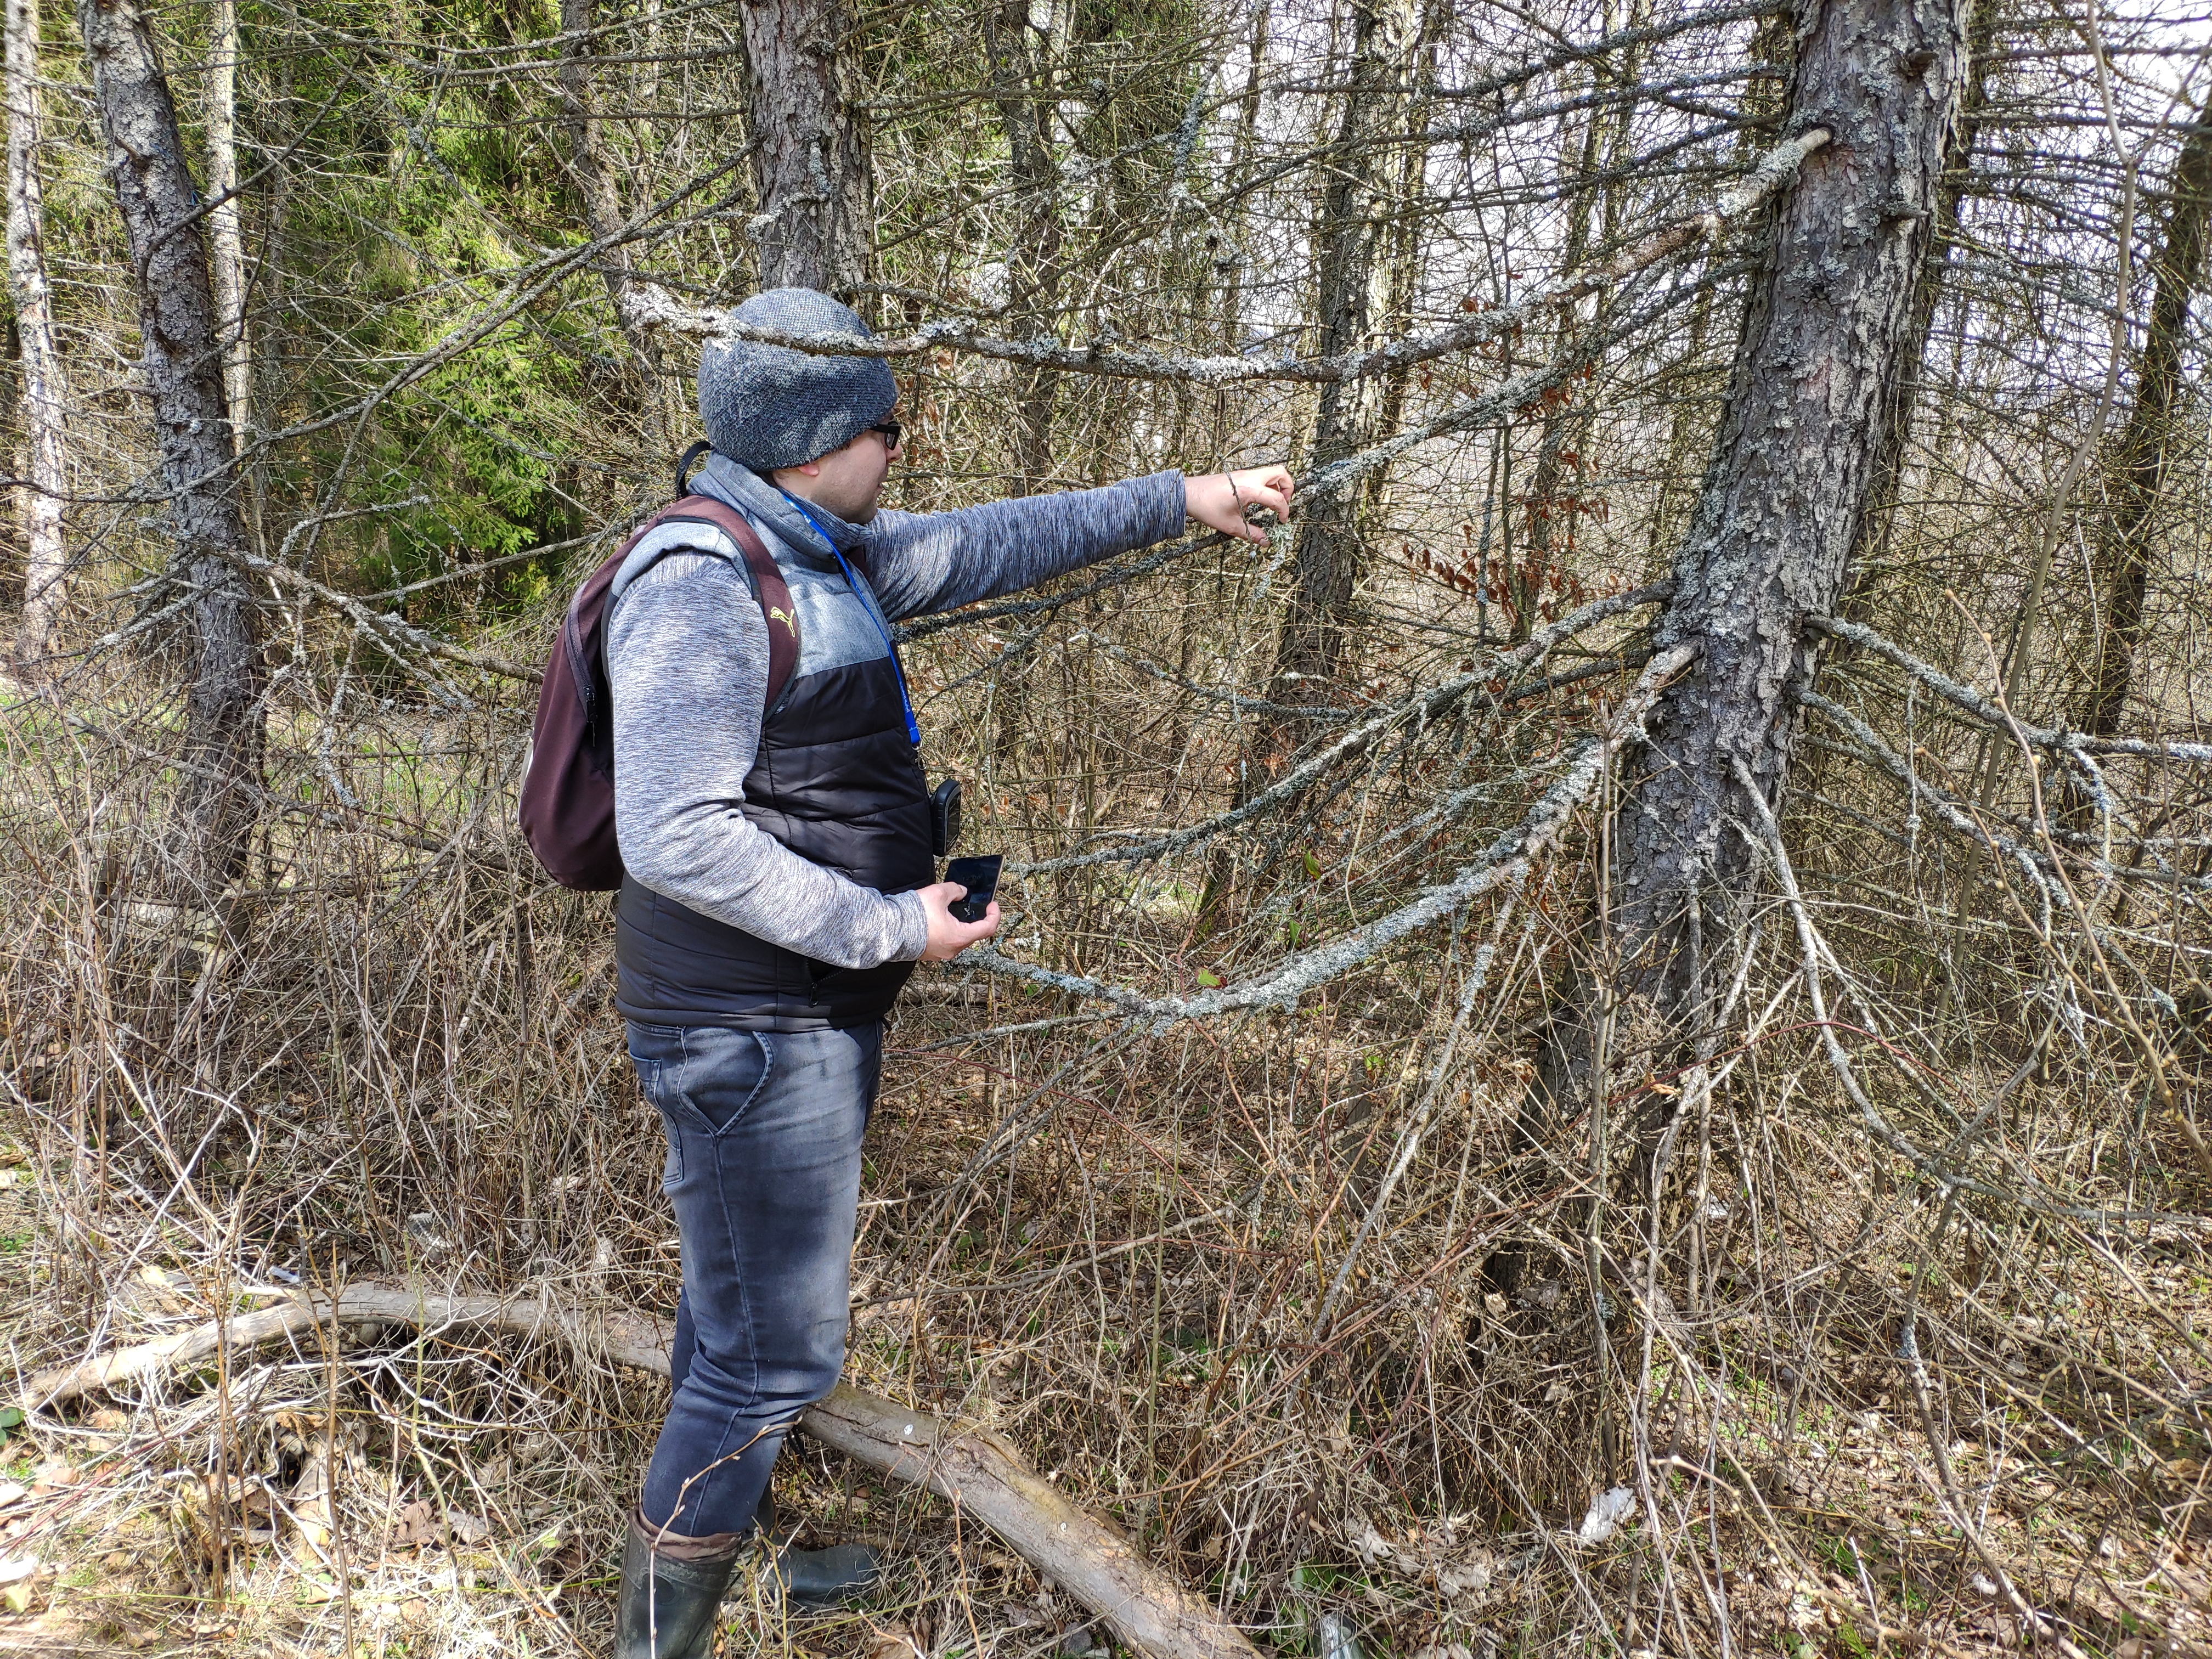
381 1495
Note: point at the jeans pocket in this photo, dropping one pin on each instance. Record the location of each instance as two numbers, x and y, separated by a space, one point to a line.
724 1072
671 1174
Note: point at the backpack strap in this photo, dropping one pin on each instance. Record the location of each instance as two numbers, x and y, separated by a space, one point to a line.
764 578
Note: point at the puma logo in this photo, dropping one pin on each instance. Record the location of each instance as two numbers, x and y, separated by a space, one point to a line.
777 613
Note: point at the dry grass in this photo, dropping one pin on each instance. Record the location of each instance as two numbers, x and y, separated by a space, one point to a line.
1116 1244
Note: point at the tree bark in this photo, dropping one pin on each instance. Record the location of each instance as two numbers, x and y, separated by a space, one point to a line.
1785 495
1326 549
2146 444
1927 293
45 386
599 187
810 164
227 245
1021 86
183 344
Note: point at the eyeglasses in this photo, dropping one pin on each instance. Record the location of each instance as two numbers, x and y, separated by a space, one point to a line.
890 430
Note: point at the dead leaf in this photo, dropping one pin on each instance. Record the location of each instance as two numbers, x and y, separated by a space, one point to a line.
467 1528
892 1641
1458 1578
414 1525
1368 1545
313 1511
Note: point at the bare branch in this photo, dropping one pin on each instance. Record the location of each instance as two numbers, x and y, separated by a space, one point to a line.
647 307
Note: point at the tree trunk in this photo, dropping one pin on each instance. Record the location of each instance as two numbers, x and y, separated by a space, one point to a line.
1230 256
1021 86
1549 531
184 362
599 187
810 165
1326 549
1769 542
2146 444
1406 256
1927 292
44 386
227 247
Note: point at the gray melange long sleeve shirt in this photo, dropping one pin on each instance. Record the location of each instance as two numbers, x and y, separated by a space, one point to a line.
688 658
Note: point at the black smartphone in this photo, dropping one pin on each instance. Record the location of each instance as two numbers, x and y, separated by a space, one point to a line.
944 818
980 878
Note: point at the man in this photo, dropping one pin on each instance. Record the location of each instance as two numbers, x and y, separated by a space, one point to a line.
780 889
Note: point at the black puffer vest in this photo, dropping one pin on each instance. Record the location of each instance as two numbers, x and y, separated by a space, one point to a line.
836 781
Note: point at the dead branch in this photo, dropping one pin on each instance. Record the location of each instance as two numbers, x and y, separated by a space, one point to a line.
647 307
1087 1556
977 1470
1508 859
1419 708
624 1338
1970 701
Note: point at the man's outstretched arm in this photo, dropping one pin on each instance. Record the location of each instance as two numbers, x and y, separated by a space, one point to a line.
925 562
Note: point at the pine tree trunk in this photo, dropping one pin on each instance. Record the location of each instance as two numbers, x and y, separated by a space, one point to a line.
183 341
1927 293
598 186
2146 444
1795 461
1327 550
44 386
1021 86
810 165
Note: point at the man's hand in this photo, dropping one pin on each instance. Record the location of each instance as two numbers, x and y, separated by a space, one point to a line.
1219 500
948 935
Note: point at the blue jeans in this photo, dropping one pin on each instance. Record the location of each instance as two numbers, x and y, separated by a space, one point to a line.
764 1172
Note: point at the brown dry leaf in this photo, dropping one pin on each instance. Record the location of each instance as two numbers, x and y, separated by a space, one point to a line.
414 1525
311 1508
891 1641
467 1528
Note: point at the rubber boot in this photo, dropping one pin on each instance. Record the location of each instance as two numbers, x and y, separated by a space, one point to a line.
825 1578
814 1578
670 1593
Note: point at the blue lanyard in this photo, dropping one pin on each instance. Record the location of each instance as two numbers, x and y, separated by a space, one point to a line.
913 729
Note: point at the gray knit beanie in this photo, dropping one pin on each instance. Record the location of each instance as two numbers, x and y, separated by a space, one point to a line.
768 406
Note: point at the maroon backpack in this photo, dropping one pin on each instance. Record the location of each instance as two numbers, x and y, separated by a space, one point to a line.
568 785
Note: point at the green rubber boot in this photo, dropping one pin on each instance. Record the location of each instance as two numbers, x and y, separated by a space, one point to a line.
814 1578
825 1578
671 1594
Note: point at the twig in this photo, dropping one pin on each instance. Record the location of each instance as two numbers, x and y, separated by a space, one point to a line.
978 1470
648 307
1508 859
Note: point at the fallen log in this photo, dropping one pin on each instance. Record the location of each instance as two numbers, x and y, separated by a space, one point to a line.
1084 1554
625 1339
980 1472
